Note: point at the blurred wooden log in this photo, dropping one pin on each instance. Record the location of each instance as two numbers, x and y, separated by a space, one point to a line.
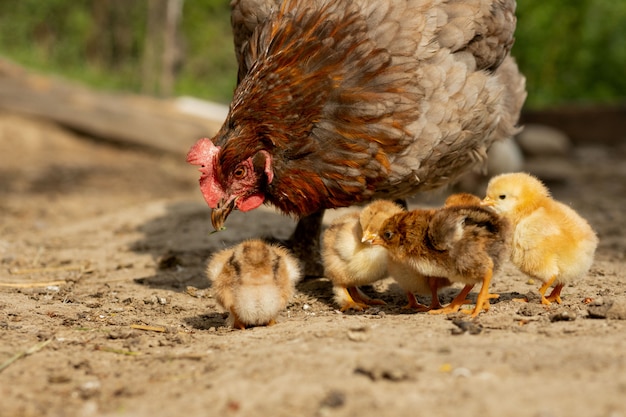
124 118
601 125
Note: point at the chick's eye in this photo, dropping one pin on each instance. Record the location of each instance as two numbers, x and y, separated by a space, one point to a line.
502 196
387 235
239 173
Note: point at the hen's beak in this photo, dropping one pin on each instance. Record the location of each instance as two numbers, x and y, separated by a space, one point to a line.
221 212
487 202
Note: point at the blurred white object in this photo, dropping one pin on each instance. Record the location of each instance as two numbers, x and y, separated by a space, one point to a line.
201 108
504 156
541 140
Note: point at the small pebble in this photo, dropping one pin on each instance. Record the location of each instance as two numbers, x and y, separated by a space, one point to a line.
565 315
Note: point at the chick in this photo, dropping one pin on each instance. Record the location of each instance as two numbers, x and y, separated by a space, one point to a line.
254 281
413 282
462 199
462 243
349 258
550 241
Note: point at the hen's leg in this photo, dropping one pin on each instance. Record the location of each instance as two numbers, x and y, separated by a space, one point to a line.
544 288
458 301
555 295
305 244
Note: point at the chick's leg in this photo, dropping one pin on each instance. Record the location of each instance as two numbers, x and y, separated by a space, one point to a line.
413 304
482 301
433 284
458 301
359 297
349 302
237 323
544 288
555 295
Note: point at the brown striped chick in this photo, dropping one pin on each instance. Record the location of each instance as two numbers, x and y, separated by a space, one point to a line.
550 242
412 282
349 258
463 243
253 281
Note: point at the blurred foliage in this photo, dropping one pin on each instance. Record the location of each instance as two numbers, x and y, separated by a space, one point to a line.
570 50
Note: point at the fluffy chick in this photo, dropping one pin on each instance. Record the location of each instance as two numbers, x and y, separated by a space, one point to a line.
462 199
413 282
463 243
254 281
550 241
349 258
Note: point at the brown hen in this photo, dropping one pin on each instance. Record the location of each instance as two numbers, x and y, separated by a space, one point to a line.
343 101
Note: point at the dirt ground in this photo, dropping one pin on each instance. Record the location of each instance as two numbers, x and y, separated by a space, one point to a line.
105 309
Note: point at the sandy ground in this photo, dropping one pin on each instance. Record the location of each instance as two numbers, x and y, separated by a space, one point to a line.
96 241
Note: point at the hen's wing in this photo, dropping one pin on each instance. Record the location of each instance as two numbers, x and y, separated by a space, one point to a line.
368 98
245 16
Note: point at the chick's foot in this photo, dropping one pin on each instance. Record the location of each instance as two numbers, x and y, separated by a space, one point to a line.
544 288
456 304
413 304
555 295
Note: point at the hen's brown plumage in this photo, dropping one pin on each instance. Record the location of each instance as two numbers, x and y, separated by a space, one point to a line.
340 102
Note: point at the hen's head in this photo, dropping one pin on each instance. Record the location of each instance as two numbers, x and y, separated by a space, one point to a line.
225 187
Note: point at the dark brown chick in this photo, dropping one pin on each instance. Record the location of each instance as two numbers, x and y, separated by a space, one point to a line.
466 244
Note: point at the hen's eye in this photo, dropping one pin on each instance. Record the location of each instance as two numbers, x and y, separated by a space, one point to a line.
502 196
240 173
387 235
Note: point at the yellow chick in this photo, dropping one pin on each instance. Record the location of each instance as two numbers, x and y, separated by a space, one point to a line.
349 258
253 281
550 242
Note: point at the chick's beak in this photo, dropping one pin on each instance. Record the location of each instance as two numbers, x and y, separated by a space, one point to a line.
487 202
368 237
376 240
221 212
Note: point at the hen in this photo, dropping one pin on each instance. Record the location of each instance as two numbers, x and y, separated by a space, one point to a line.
343 101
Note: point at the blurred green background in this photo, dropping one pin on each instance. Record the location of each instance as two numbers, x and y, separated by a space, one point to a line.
571 51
